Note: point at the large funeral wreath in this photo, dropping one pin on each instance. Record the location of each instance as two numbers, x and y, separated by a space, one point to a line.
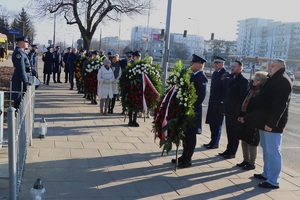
140 86
175 109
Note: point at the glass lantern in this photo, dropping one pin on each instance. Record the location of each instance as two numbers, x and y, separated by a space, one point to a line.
37 192
43 128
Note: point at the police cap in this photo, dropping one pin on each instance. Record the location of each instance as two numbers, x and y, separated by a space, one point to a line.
22 38
57 47
129 53
34 45
197 58
137 53
95 52
219 59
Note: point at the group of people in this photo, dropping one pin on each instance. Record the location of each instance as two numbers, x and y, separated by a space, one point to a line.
254 112
97 74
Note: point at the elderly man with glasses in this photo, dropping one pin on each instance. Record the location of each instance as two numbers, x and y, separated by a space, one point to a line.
272 105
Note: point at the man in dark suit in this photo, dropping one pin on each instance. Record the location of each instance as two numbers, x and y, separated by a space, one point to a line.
57 64
65 59
200 82
21 69
236 91
48 60
215 110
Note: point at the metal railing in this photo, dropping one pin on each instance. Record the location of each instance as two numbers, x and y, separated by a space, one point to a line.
20 129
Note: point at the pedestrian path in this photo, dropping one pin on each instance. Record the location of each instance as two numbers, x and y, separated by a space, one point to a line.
89 156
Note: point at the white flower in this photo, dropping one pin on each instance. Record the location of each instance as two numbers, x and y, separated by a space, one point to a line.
185 99
185 104
178 74
130 70
181 83
92 62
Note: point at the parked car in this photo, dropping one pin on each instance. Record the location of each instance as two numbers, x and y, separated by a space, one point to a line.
290 74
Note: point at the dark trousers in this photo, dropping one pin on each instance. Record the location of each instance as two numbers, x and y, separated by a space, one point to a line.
189 143
215 131
232 130
112 103
71 79
132 116
54 77
48 78
66 77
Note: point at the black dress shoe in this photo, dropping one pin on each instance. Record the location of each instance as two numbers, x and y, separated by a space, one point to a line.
71 89
130 124
267 185
229 156
54 81
259 176
249 166
185 164
59 81
212 147
242 164
180 159
135 124
223 153
206 145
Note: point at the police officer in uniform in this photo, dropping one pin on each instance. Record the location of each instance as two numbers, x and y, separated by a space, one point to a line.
48 64
200 82
215 110
57 64
33 59
21 68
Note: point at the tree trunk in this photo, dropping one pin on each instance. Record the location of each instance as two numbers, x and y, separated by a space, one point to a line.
87 43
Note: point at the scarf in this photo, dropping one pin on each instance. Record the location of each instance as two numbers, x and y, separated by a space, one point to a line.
246 101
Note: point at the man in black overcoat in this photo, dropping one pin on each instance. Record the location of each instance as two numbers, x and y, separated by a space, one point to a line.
48 64
57 64
236 91
65 59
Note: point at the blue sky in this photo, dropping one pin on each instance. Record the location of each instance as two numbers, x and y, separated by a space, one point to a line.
218 16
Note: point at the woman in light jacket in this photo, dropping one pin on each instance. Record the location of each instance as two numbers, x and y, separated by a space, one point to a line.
105 87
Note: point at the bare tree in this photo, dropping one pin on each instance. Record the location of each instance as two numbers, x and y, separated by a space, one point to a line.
88 14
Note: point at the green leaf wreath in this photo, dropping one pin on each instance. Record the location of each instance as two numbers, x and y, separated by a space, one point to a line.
175 109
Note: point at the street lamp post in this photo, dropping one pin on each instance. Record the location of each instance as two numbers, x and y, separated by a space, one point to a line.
198 23
167 43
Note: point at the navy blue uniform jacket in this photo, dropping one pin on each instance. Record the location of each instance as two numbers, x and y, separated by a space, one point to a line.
20 62
215 110
200 82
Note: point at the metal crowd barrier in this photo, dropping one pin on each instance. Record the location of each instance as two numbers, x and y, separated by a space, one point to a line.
20 129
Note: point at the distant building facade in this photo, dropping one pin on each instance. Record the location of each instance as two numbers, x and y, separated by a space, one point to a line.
151 41
268 38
